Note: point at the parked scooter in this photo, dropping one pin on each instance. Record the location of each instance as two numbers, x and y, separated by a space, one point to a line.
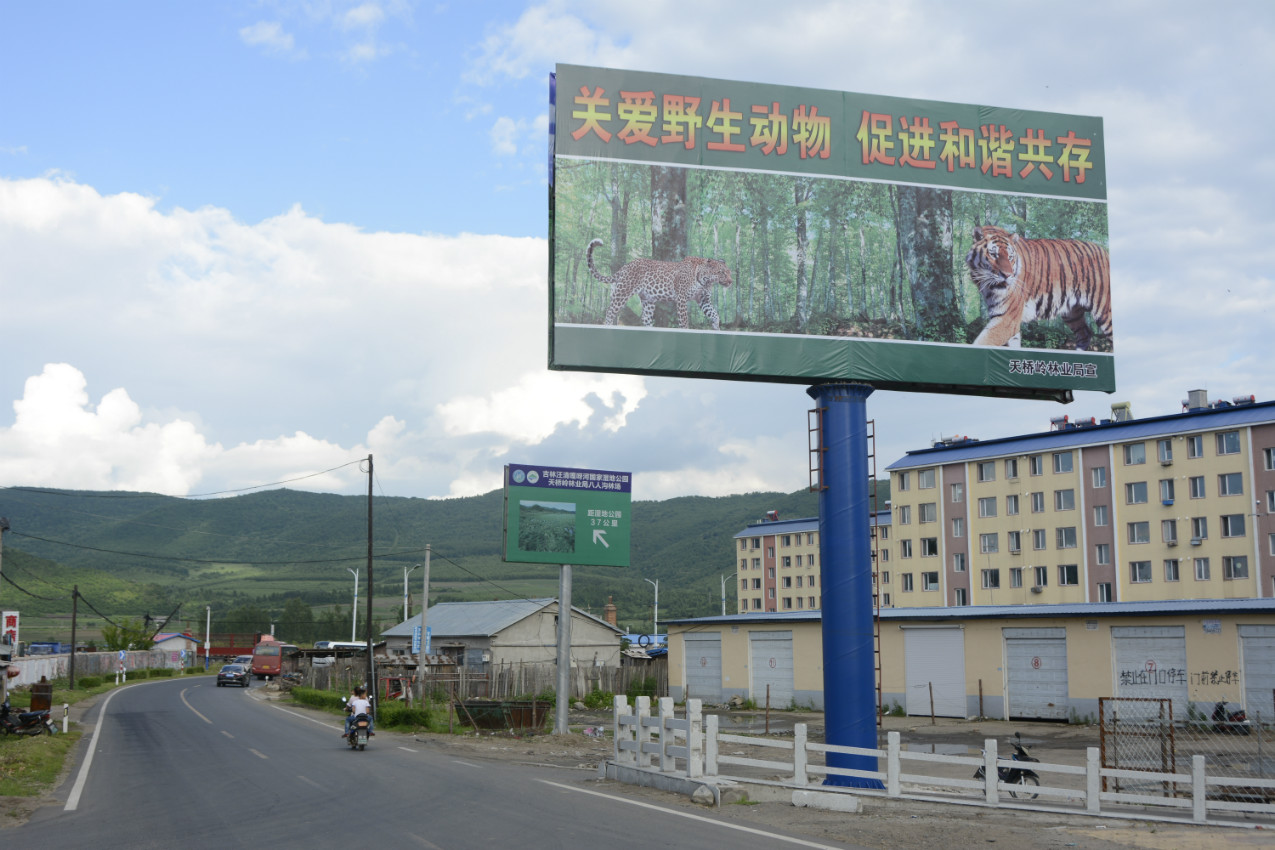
1011 774
25 722
1230 722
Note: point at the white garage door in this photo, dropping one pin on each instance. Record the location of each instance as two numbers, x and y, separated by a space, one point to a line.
1151 664
703 667
1257 649
935 661
1037 664
770 661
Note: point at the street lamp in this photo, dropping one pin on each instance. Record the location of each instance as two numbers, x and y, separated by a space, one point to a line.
655 616
354 612
406 573
732 575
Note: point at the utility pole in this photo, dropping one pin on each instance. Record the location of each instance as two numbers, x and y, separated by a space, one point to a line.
655 616
732 575
354 609
75 609
371 668
406 572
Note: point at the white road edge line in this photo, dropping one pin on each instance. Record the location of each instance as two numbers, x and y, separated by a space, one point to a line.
409 749
467 764
73 801
303 717
308 779
689 816
192 708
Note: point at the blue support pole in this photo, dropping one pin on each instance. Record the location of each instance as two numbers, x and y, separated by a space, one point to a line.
845 565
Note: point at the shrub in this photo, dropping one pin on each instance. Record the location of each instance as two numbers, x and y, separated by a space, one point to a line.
397 715
138 674
599 699
88 682
641 688
317 698
162 673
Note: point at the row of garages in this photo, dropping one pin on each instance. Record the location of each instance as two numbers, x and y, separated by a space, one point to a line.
1051 662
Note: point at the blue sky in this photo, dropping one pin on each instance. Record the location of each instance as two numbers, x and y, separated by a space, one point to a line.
241 242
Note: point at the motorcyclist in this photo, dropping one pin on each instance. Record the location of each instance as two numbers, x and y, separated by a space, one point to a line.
357 704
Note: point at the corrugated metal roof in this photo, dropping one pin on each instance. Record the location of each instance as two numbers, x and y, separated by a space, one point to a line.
800 526
985 612
1112 432
479 619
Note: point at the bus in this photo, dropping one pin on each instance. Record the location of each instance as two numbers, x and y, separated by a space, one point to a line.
268 656
342 645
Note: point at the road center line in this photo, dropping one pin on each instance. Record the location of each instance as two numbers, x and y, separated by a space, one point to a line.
227 734
258 754
468 764
73 801
798 841
192 708
309 780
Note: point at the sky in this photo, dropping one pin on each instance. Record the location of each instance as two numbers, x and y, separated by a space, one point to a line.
247 242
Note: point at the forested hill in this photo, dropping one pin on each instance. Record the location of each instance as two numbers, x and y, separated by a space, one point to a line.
273 545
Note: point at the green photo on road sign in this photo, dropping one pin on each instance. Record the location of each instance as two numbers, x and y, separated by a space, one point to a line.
566 516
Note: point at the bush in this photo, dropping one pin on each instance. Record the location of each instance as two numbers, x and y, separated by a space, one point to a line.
138 674
599 699
317 698
397 715
641 688
163 673
88 682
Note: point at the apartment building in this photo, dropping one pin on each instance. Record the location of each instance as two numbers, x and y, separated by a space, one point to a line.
1172 507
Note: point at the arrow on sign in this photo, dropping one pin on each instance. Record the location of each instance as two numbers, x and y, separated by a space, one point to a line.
600 536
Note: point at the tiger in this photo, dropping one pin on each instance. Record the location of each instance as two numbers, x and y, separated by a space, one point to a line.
654 281
1025 279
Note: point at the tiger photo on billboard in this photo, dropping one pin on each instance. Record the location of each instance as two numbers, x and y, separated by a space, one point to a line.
1021 280
653 281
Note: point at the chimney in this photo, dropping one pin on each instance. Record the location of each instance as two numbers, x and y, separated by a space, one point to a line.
608 612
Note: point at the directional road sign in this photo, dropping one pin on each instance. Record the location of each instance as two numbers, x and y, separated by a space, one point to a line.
567 516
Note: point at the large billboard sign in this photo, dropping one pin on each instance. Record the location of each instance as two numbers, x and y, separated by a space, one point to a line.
711 228
555 515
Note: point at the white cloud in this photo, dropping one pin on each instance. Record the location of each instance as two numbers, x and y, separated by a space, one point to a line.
504 137
270 36
531 410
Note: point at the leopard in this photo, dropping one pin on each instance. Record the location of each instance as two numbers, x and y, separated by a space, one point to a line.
653 281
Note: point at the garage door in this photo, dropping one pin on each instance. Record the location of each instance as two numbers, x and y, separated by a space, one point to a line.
1151 664
1257 651
935 662
770 662
1036 661
703 665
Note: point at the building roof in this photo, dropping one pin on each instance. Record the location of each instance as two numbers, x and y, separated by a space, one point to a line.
1209 418
1157 608
480 619
800 526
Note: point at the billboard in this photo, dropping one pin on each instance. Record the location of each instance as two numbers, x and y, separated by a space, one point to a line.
555 515
711 228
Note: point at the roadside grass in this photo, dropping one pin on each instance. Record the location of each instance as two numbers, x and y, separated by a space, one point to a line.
390 714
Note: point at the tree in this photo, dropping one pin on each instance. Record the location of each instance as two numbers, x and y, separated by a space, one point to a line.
924 227
297 621
130 634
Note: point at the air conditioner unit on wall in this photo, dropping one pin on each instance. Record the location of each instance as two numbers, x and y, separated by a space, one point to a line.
1195 541
1037 589
1170 543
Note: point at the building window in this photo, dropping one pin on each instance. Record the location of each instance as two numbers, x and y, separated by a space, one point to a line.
1065 500
1230 484
1135 453
1041 576
1169 531
1195 486
787 603
743 543
907 582
1038 538
1199 528
785 540
928 512
1100 516
1139 532
987 470
1068 575
1011 505
958 562
1171 569
930 581
1104 591
905 482
1015 576
987 506
787 585
1166 491
991 579
1233 525
925 479
1228 443
1268 455
799 602
1140 572
958 527
787 561
988 543
1067 537
770 573
754 542
958 493
1011 468
1195 446
929 547
885 531
756 604
1015 540
960 597
1036 465
1038 503
1062 462
1099 476
905 514
770 592
885 555
905 548
1102 554
1164 451
1234 567
1270 501
756 584
743 584
1135 493
770 551
1201 569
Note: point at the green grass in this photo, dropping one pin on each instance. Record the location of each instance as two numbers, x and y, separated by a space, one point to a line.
29 766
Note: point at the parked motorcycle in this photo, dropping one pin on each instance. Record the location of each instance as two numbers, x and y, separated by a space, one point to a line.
25 722
1230 722
1011 774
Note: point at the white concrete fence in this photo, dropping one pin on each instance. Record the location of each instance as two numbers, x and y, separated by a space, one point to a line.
32 668
691 747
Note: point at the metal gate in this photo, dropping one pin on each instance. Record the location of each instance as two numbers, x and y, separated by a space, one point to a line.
935 665
1036 661
1150 663
703 665
1257 651
770 660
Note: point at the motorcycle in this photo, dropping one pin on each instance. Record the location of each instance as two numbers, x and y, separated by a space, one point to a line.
1011 774
25 722
1230 722
359 731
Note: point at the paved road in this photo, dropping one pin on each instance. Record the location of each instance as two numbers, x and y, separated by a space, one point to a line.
186 764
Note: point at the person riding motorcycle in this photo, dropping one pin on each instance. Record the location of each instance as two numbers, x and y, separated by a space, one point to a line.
356 705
